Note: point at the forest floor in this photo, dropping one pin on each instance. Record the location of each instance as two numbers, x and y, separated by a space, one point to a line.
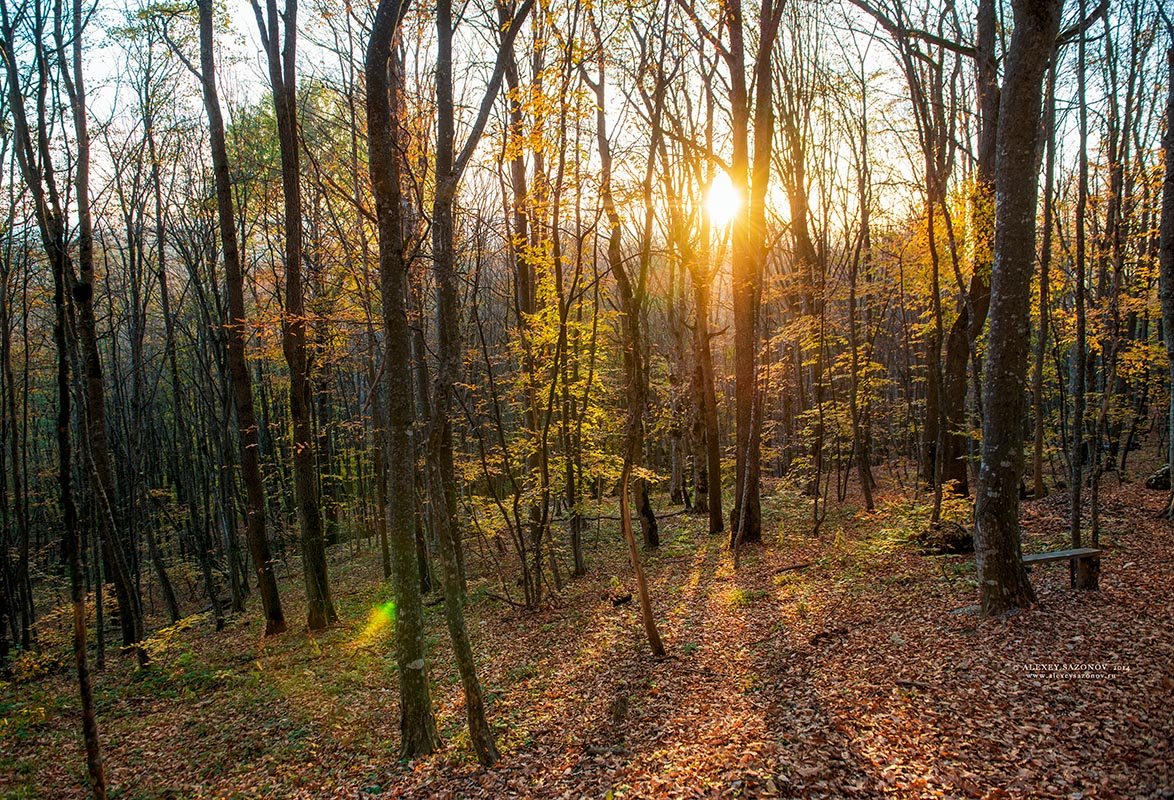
863 674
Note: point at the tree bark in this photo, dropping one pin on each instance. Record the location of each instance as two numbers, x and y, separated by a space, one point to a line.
1045 263
450 164
962 340
712 455
418 734
1003 582
242 391
283 79
1166 254
748 253
629 303
130 614
41 183
1079 356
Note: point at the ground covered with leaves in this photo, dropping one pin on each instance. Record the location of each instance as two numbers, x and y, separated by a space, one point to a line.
843 664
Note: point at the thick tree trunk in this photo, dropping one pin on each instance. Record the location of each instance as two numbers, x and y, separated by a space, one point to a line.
748 253
1003 583
418 734
745 517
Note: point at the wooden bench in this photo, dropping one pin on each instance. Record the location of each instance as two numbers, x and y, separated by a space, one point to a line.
1062 555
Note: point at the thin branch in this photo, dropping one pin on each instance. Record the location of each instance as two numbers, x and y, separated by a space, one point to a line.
899 31
491 91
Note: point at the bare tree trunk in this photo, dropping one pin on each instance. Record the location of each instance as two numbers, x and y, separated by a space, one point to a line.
130 611
704 352
70 542
180 429
536 479
1079 348
21 595
450 165
379 423
283 80
242 391
41 183
1045 262
629 304
748 252
861 435
962 340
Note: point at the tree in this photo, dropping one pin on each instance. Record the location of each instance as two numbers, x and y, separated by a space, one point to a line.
1080 346
36 166
1166 246
751 179
1045 265
279 40
631 298
450 165
417 724
1003 582
242 391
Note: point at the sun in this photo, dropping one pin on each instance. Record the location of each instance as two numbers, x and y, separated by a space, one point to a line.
722 201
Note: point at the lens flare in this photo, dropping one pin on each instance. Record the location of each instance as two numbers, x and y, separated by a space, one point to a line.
382 618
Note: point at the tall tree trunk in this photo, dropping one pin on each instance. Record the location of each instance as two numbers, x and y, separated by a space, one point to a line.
861 433
21 596
962 339
130 614
629 303
526 304
450 165
745 518
1003 583
242 391
180 429
1166 254
1079 356
283 80
41 183
1045 264
70 539
703 351
418 734
379 424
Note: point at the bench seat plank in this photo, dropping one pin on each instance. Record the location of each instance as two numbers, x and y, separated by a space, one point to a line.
1061 555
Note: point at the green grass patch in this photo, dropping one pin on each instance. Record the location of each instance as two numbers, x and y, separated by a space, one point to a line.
740 598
